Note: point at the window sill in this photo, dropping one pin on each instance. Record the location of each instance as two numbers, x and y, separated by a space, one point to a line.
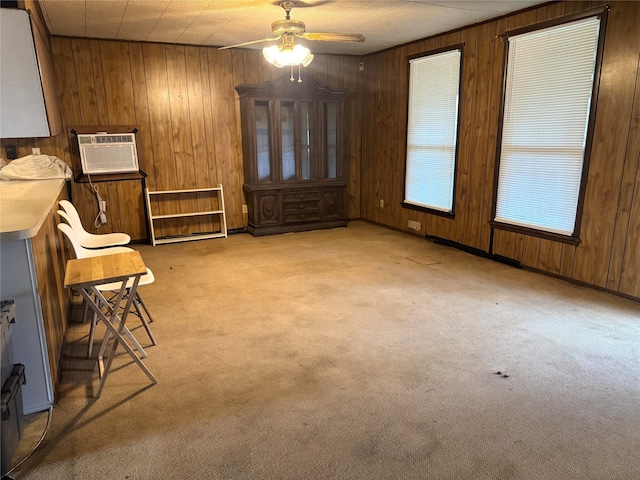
432 211
109 177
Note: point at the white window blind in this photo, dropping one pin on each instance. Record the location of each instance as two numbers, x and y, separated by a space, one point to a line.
548 92
432 130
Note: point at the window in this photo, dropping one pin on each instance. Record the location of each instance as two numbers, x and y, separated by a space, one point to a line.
550 78
432 130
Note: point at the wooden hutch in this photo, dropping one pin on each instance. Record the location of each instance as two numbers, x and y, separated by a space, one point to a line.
293 160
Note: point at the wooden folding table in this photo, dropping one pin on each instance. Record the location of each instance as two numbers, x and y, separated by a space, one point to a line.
84 274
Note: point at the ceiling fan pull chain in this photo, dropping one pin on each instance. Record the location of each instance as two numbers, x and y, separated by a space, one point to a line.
292 79
299 75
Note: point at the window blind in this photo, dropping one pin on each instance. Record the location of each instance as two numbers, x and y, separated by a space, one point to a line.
434 88
547 102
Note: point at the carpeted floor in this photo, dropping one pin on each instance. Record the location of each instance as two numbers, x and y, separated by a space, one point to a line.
355 353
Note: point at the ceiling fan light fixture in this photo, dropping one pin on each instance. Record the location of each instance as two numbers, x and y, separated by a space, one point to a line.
287 55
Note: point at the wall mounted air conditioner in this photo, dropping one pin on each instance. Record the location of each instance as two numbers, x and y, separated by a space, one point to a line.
102 153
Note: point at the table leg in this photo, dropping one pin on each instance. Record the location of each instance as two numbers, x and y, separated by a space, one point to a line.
126 330
116 332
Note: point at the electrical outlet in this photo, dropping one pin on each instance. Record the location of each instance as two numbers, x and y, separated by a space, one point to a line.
12 152
35 151
414 225
381 203
245 209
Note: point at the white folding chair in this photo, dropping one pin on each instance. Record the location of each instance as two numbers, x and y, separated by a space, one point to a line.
78 233
86 239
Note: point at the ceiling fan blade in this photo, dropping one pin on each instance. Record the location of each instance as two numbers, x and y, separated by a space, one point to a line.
250 43
299 4
333 37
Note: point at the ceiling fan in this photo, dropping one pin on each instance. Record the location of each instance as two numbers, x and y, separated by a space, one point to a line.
288 29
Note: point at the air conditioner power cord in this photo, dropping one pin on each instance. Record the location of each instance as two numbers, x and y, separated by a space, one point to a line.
101 218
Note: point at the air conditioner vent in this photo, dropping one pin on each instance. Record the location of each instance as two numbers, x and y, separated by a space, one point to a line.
103 153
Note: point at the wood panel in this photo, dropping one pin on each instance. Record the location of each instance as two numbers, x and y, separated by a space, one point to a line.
366 169
463 193
50 258
396 128
251 74
494 90
163 164
196 106
141 107
208 165
118 87
615 100
626 248
228 163
184 168
503 243
353 132
475 221
145 146
98 82
320 62
377 142
87 99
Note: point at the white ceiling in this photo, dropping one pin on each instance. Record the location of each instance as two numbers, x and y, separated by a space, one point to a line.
384 23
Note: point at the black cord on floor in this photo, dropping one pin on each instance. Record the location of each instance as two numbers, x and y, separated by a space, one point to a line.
46 429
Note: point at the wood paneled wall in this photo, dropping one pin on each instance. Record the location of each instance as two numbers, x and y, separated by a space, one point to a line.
608 255
184 102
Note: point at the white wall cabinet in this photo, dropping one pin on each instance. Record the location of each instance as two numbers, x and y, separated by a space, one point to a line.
29 98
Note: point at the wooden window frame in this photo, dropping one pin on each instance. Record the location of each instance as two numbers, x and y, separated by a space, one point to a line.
404 203
573 239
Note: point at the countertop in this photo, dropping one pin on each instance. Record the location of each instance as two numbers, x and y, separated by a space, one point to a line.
24 205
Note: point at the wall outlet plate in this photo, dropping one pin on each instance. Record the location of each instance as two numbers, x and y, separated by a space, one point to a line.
412 224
